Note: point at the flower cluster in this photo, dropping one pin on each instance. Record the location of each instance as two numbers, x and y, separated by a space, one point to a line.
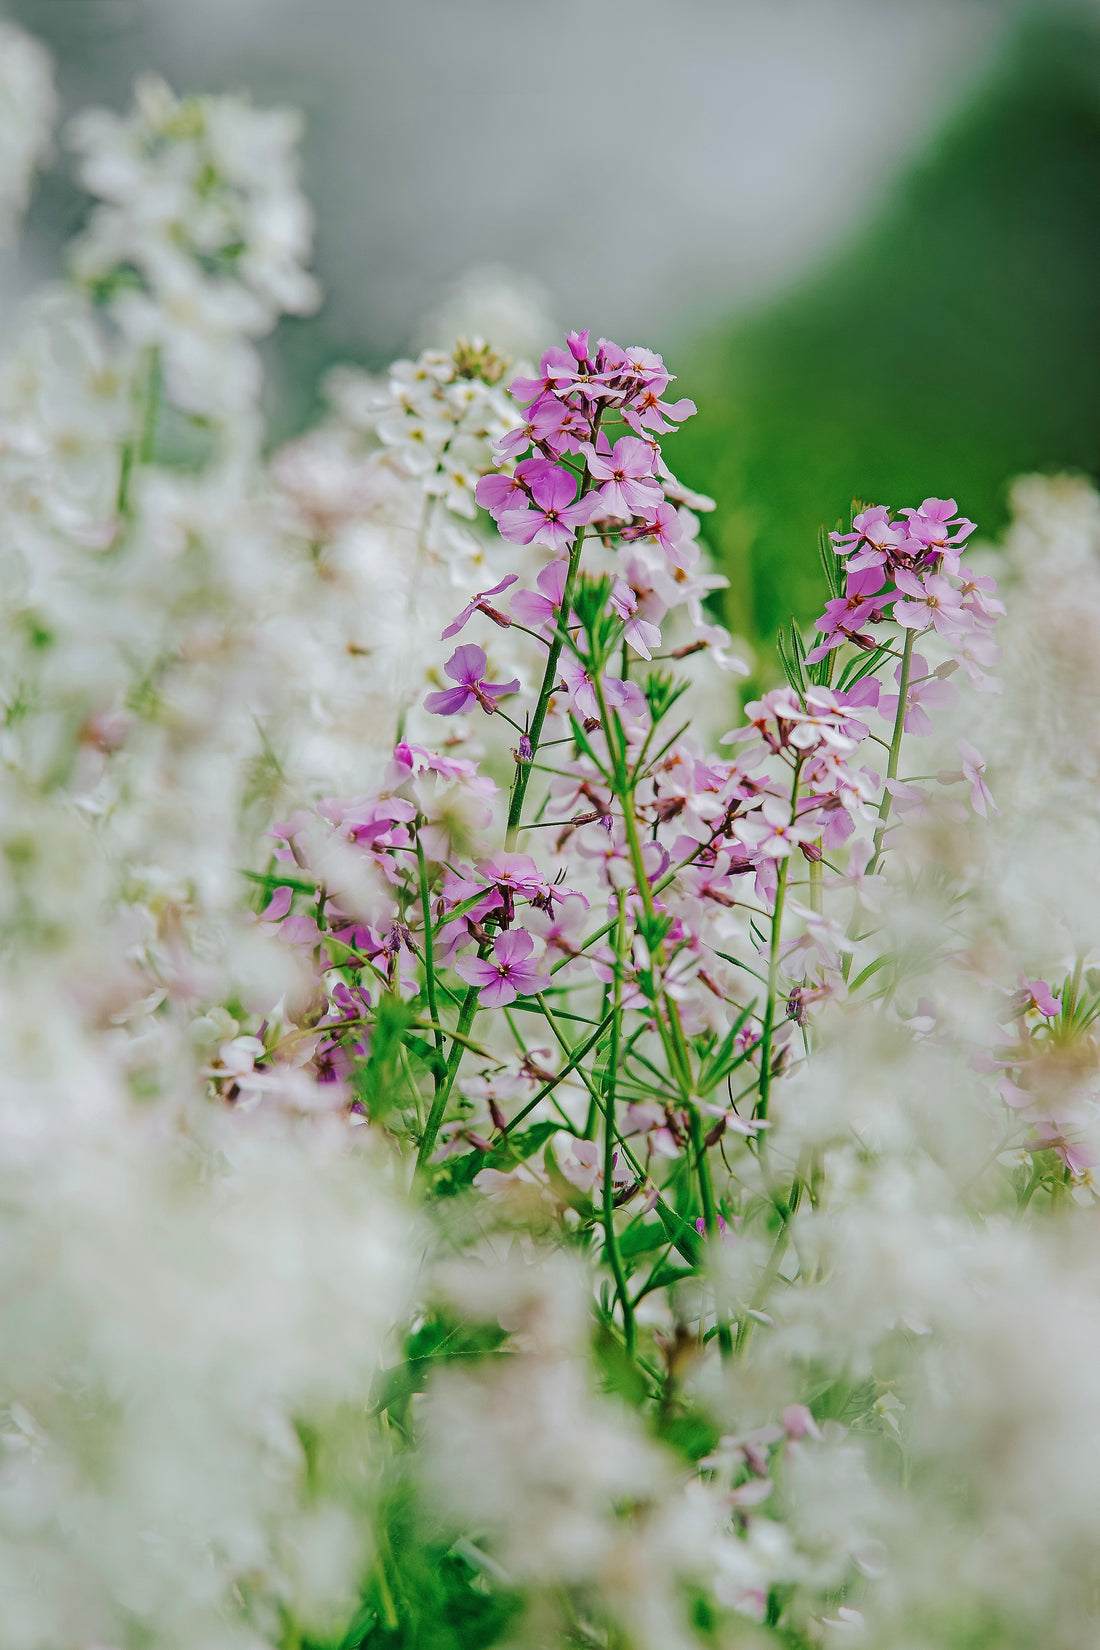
912 564
199 198
497 1141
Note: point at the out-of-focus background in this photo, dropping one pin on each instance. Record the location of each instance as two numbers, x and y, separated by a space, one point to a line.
865 232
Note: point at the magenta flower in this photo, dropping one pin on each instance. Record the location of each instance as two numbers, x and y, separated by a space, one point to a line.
467 666
664 527
873 540
647 412
545 421
630 487
931 526
479 602
843 617
559 369
509 975
555 516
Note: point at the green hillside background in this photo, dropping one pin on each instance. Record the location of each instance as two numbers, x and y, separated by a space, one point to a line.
953 345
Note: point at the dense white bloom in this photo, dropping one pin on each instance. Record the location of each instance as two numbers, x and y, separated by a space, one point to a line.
28 109
200 198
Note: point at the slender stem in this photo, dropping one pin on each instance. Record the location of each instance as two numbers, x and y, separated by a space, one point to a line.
550 674
895 746
712 1228
768 1026
429 951
139 448
147 439
443 1093
610 1238
769 1003
575 1056
815 886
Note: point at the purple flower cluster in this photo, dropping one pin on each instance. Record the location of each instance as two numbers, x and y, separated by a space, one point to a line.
911 563
575 475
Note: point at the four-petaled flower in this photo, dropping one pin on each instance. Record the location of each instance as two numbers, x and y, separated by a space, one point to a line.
555 515
510 973
467 666
626 470
479 602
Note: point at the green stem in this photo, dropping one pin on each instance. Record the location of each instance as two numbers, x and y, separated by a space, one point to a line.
429 951
549 682
895 747
773 968
443 1093
150 410
610 1237
713 1230
550 674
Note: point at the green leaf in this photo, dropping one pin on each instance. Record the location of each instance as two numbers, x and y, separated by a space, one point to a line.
685 1237
458 1173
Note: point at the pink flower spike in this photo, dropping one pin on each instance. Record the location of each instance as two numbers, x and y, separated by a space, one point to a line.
467 666
479 601
509 975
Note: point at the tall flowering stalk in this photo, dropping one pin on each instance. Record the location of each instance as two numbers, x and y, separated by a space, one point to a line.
483 1161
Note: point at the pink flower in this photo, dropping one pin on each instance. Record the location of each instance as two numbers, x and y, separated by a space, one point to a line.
931 526
1078 1159
933 601
559 370
926 689
771 831
497 493
867 889
845 615
479 602
641 635
977 596
1037 994
543 424
618 695
973 771
509 975
556 514
873 540
626 470
663 526
467 666
538 612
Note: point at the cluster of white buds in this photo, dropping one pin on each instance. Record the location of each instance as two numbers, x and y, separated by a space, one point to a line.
438 416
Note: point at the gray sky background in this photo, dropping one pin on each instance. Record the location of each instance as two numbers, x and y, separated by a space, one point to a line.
654 163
